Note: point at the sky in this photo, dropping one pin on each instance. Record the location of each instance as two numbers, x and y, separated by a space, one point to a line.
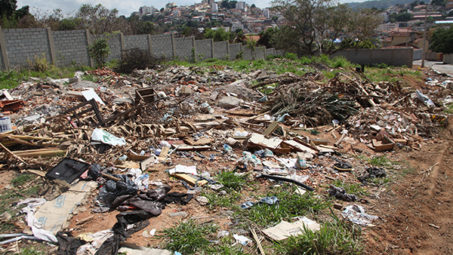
125 7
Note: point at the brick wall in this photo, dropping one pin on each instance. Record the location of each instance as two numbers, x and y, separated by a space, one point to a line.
183 48
136 41
203 49
25 44
71 47
220 50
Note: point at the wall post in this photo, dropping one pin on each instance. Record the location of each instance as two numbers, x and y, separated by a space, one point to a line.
173 49
194 49
212 48
227 50
53 59
122 45
4 51
88 42
150 48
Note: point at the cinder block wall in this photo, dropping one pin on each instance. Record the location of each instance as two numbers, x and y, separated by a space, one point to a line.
183 48
161 46
235 49
64 48
391 57
25 44
136 41
203 49
71 47
448 58
220 50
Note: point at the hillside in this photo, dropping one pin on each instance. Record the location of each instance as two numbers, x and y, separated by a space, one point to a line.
379 4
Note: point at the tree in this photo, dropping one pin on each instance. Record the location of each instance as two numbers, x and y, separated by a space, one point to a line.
99 19
268 37
305 22
218 34
442 40
7 8
364 23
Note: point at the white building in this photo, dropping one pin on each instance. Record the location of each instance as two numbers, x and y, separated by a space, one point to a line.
240 5
267 13
146 10
214 7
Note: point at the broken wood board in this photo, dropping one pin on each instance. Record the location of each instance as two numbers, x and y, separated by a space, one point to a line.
300 147
128 164
145 164
135 156
201 141
44 152
204 117
261 141
284 229
54 215
184 147
271 128
191 180
163 154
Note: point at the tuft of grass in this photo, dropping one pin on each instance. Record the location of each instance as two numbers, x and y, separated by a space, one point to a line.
380 161
336 237
22 179
290 205
217 200
449 109
189 237
30 251
392 74
352 188
231 181
380 181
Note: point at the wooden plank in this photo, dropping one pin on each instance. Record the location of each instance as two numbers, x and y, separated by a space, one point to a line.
163 154
191 180
12 153
271 128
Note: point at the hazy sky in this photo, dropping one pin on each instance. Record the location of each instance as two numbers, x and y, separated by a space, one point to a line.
125 7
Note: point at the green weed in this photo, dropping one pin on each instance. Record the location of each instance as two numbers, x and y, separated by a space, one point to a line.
336 237
449 109
351 188
217 200
30 251
290 205
189 237
231 181
22 179
380 161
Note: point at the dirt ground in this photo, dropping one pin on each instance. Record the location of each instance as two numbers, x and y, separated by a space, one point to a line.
416 211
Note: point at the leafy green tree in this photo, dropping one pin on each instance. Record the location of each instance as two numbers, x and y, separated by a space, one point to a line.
99 51
7 8
268 37
442 40
218 34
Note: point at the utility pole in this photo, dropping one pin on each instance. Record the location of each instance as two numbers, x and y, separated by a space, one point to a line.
424 36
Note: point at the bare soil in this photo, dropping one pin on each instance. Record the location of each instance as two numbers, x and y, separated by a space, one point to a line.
417 211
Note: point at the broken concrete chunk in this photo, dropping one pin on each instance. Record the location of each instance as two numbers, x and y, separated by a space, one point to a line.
229 102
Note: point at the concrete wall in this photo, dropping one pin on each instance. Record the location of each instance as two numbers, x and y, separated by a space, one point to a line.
24 44
136 41
203 49
235 50
270 52
418 54
391 57
448 58
161 46
220 50
64 48
183 48
71 47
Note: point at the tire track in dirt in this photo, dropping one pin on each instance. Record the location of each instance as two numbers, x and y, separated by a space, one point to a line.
417 211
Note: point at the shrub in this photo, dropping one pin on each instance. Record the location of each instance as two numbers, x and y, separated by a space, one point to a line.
99 51
136 59
39 64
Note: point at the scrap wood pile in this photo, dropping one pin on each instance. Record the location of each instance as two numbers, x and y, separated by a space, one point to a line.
139 143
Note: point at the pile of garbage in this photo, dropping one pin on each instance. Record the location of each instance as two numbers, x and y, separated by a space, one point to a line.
130 140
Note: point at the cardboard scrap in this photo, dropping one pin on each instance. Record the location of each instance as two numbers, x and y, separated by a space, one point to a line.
300 147
285 229
201 141
190 180
55 214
